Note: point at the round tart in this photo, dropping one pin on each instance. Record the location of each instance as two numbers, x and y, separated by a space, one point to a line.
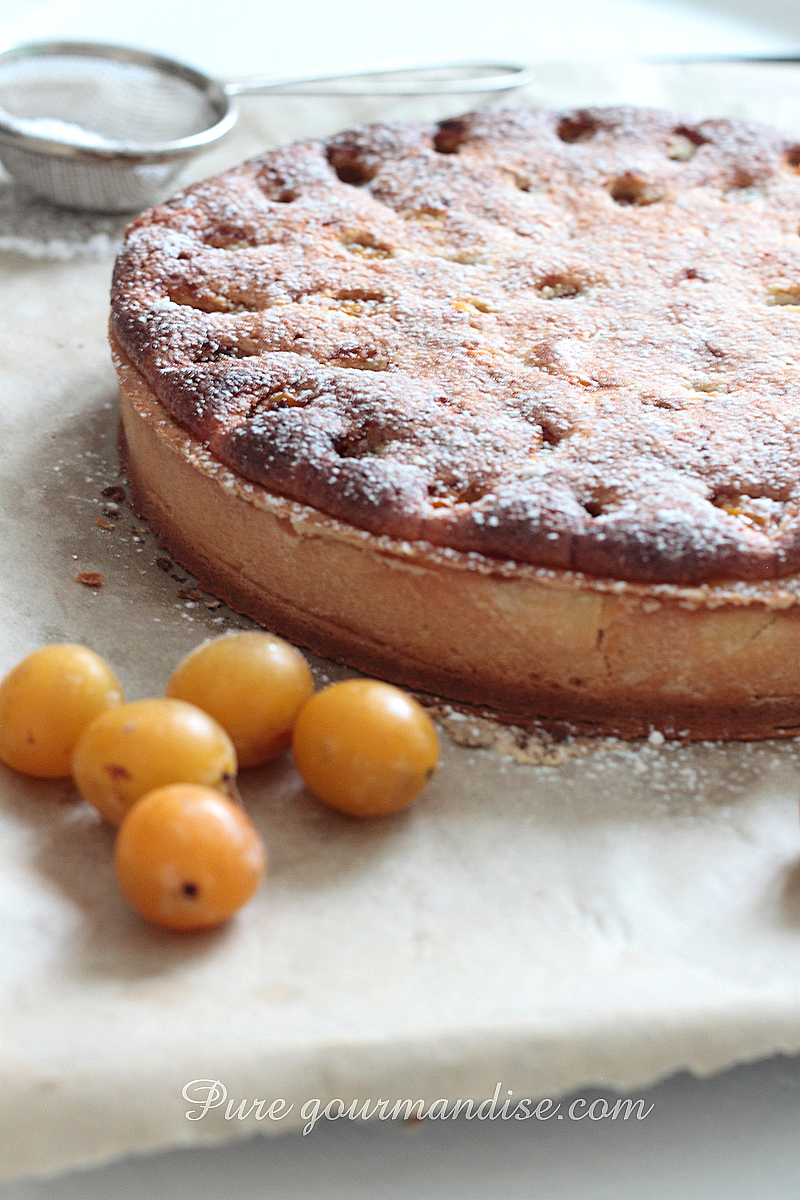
504 409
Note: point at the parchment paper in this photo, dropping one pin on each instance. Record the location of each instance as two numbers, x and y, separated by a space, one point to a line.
607 920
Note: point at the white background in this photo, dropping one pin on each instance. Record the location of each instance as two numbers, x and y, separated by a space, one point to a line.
256 36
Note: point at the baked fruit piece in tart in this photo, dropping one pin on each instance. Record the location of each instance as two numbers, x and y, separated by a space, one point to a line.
503 409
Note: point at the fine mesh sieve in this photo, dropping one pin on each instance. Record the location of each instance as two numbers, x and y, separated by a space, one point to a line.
110 128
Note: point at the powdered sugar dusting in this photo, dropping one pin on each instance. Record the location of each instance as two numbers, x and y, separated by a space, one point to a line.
38 230
547 338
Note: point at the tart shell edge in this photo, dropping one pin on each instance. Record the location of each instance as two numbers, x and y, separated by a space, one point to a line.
535 646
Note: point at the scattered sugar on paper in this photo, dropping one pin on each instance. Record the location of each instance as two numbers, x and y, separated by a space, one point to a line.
36 229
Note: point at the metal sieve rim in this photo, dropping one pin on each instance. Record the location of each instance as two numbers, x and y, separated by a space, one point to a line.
130 153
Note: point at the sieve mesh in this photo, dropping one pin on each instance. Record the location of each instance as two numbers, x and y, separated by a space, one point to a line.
97 98
108 128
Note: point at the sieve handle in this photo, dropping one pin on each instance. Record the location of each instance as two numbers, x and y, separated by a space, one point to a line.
393 81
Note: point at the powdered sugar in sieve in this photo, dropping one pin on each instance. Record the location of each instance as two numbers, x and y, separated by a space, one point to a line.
109 128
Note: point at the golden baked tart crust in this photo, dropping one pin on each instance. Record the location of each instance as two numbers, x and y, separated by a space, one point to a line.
521 388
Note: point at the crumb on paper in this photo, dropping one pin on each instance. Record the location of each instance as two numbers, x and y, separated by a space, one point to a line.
114 492
190 594
105 524
91 579
514 744
163 563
